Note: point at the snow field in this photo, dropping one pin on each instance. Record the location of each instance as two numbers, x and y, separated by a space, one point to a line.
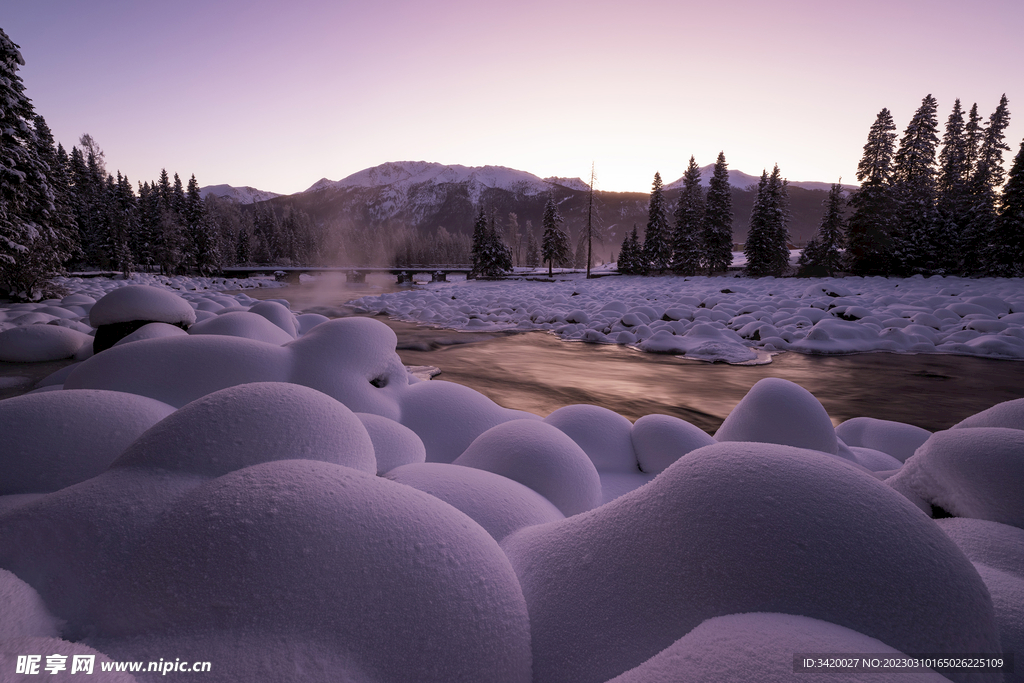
736 320
300 508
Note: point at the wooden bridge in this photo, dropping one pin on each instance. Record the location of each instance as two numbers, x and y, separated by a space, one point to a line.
352 273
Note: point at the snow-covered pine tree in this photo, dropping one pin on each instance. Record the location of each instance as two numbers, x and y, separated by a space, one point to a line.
122 223
631 255
657 239
914 191
687 247
479 250
532 250
626 257
26 198
981 248
822 256
203 245
499 255
871 221
59 243
555 243
1010 223
717 238
778 192
953 200
760 234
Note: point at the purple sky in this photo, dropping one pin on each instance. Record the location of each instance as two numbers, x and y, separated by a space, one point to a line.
278 95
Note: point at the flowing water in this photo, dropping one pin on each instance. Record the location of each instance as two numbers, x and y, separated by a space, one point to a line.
537 372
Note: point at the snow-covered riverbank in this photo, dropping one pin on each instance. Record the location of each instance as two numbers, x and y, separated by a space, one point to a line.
275 494
731 319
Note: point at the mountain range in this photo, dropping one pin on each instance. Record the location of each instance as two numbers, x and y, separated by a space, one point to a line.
424 196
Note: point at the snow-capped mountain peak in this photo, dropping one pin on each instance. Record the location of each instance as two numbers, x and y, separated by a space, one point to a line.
242 195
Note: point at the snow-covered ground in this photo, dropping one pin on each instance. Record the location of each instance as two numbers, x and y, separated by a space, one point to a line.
735 319
275 494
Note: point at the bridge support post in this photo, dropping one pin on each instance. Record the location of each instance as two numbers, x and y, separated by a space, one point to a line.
404 277
355 276
439 276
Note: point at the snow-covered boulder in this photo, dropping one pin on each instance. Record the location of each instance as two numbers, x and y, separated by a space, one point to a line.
1008 414
243 324
59 438
782 412
265 421
744 527
152 331
24 613
898 439
541 457
277 313
759 647
39 343
973 472
498 504
604 435
394 444
660 440
126 309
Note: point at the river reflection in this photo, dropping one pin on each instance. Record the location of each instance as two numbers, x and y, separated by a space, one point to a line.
539 373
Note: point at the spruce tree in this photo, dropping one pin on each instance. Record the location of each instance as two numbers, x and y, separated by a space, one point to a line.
760 233
26 198
914 191
822 256
717 237
58 240
778 191
1010 223
687 248
205 256
532 250
981 248
626 256
953 202
657 239
869 231
555 243
631 255
479 250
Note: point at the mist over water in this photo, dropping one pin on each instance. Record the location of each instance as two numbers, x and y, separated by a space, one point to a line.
537 372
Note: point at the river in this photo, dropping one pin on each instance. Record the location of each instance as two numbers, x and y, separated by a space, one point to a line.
537 372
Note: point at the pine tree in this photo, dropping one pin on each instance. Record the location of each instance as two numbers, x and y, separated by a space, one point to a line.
122 223
981 248
532 250
687 248
26 198
767 248
499 255
203 245
1010 224
657 241
953 202
631 255
479 250
822 256
554 246
914 191
717 237
869 231
58 239
758 247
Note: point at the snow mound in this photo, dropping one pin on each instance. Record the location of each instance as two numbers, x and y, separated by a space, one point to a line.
833 336
760 647
1009 414
702 342
39 343
660 440
59 438
498 504
307 321
782 412
541 457
449 416
178 370
152 331
997 550
975 472
277 313
141 302
24 614
243 324
390 579
743 527
268 421
898 439
604 435
394 444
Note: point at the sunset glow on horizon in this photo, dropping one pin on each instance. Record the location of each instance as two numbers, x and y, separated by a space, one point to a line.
278 95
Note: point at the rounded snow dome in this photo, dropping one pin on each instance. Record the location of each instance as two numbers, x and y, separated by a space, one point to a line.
141 302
